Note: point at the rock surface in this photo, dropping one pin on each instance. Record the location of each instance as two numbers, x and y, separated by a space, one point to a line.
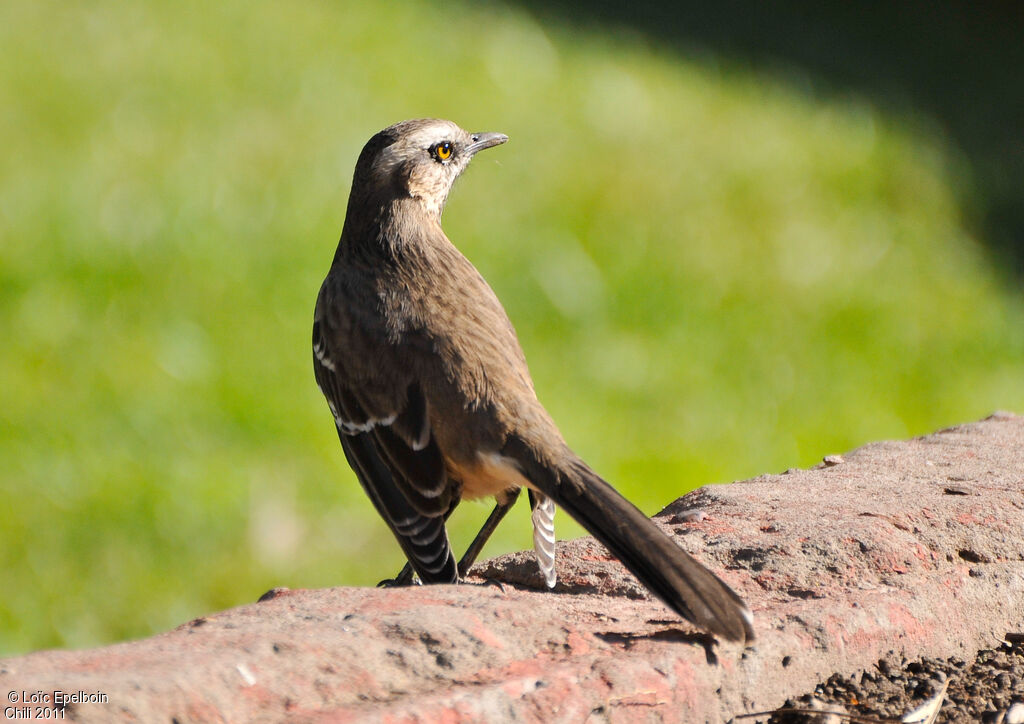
989 689
911 549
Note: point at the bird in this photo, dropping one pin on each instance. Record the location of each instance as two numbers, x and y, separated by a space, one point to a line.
432 397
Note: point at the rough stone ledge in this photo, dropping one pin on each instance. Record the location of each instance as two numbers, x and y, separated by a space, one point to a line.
915 546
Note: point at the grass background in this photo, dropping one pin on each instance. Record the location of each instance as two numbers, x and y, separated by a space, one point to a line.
717 268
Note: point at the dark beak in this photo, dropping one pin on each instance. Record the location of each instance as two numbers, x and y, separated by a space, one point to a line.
485 140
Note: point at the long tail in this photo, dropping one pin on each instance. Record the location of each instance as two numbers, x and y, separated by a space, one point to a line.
672 574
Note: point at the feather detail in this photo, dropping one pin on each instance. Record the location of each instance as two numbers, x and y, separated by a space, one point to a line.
543 518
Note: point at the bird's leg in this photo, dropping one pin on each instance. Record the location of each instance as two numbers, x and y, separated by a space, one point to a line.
505 503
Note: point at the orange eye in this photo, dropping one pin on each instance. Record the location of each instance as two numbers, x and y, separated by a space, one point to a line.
442 151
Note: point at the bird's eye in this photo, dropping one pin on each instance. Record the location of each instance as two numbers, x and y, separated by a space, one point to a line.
442 151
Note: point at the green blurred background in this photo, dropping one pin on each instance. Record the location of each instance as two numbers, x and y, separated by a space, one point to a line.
729 248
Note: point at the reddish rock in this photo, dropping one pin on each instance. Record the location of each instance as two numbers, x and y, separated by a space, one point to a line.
913 546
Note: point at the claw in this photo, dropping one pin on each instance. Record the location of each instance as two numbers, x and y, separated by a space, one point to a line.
397 582
405 577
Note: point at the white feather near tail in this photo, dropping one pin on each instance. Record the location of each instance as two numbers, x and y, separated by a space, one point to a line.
543 518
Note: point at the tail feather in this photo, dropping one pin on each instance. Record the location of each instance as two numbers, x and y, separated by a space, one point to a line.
686 586
543 517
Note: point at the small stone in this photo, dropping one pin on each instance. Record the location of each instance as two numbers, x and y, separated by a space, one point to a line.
1015 714
1014 639
833 460
272 594
691 515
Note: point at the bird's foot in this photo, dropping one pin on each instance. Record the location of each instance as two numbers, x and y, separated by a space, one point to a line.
486 582
405 577
399 582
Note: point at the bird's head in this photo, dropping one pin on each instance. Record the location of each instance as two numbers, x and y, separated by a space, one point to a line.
419 159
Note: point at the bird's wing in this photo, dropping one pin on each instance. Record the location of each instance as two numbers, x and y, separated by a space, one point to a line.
423 539
381 416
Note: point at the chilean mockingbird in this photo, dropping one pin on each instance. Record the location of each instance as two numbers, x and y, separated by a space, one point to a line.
431 395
